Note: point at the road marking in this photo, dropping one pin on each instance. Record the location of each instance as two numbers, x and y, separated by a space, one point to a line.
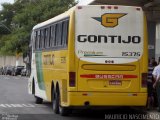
6 78
16 78
16 105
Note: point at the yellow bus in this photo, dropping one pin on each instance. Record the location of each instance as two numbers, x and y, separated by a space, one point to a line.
90 56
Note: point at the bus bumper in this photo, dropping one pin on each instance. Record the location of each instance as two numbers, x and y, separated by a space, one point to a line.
106 99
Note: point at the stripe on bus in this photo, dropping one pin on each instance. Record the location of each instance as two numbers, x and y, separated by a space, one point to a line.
108 76
39 70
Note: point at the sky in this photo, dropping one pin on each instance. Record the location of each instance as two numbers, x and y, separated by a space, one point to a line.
12 1
2 1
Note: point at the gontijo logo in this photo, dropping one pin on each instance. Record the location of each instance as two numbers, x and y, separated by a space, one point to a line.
109 19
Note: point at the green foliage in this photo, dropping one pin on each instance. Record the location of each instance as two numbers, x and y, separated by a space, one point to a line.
19 18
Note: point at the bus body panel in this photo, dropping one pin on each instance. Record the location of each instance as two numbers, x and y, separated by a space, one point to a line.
109 47
50 65
106 99
39 85
110 78
54 69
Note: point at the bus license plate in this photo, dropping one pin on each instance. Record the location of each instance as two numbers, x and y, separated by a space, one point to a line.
115 82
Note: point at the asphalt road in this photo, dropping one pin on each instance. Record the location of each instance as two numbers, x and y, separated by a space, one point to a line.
17 104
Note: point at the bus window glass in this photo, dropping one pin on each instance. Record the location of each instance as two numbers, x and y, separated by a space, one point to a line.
35 39
65 33
42 39
46 38
53 35
38 40
59 34
50 32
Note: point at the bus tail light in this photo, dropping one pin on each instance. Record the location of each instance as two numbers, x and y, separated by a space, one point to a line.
79 7
72 79
109 7
115 7
144 80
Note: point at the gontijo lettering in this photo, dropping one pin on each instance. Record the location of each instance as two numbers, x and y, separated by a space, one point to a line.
108 39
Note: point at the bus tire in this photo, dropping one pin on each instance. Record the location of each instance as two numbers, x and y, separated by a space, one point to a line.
57 108
38 100
55 102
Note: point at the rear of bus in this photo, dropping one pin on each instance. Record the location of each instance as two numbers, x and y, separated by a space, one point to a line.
110 56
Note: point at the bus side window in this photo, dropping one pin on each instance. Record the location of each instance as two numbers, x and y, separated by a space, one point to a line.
53 36
42 39
59 34
38 40
65 34
67 29
35 39
46 38
50 35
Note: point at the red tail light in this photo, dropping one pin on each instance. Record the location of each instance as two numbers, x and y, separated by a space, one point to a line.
79 7
109 7
72 79
144 80
115 7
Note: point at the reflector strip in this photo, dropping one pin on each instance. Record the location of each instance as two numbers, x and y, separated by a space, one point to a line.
108 76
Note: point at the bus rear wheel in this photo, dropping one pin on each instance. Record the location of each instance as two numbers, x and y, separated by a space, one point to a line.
55 103
57 108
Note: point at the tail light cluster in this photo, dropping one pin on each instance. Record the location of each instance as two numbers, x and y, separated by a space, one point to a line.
72 79
144 80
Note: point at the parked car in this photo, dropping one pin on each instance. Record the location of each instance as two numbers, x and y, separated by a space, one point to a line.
1 70
7 70
24 72
17 70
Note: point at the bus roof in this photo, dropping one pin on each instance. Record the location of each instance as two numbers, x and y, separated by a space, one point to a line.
62 16
54 19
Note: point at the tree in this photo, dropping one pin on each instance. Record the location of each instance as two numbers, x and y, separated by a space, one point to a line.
22 16
6 16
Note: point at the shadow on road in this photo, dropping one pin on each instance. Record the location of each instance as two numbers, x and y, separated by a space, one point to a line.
90 114
114 113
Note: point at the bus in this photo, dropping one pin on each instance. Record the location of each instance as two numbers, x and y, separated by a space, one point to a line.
90 56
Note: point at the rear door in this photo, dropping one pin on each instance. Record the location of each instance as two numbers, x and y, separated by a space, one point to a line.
109 46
